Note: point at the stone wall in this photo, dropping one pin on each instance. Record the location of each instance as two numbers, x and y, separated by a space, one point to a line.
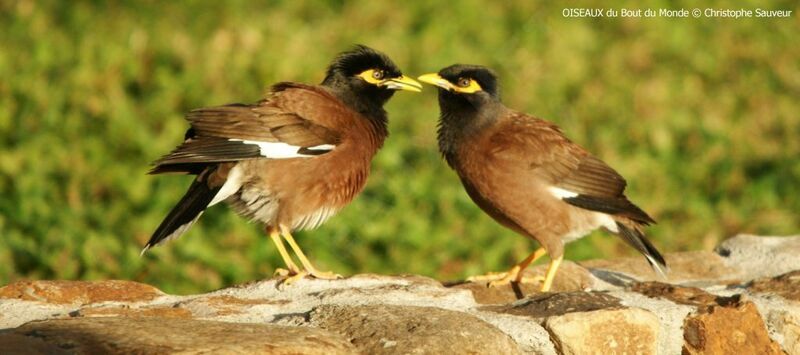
742 299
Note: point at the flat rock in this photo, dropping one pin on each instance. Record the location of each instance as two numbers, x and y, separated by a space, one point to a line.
150 335
359 289
616 331
696 267
570 277
385 329
499 294
732 329
125 311
80 292
757 257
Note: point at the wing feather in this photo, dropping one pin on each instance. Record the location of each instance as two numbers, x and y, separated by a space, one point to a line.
283 125
561 163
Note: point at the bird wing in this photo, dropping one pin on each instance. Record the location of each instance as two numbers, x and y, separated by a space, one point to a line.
571 172
286 124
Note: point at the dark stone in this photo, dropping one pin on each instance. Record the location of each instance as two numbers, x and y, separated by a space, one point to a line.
786 285
550 304
691 296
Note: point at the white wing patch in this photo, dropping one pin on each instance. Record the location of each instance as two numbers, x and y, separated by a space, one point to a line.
588 222
561 193
232 184
280 150
607 222
327 147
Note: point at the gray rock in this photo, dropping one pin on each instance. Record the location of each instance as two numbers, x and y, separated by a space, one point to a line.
782 318
694 268
757 257
531 337
150 335
385 329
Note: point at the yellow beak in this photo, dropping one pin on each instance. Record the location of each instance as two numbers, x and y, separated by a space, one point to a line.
436 80
402 83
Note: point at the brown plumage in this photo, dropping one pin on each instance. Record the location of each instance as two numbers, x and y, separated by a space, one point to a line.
291 160
524 173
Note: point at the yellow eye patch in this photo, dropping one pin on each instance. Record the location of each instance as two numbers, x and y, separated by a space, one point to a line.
379 78
463 85
467 86
372 76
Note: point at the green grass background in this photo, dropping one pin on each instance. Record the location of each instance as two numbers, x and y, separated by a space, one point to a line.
700 115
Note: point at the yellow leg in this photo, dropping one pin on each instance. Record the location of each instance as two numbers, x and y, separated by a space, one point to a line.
514 274
275 235
551 273
309 268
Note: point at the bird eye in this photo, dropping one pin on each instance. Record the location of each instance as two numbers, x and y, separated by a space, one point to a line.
378 74
464 82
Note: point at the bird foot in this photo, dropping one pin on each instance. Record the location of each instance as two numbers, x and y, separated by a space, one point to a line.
324 275
495 279
290 277
521 280
285 272
492 276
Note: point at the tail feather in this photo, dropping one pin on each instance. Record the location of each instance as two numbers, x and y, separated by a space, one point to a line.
635 238
184 214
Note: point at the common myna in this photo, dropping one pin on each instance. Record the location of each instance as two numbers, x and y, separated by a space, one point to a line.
523 172
291 160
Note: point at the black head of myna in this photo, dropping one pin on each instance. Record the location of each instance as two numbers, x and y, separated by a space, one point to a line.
366 78
469 99
465 86
291 160
524 173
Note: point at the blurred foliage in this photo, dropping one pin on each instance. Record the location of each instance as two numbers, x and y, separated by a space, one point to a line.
701 116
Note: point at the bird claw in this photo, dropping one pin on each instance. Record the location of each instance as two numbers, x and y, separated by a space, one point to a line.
291 276
284 272
523 280
495 279
324 275
492 276
498 278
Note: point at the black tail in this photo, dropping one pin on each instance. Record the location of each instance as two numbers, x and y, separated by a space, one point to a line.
636 239
184 214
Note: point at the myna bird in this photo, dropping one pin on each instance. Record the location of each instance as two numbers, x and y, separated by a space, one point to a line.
291 160
523 172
